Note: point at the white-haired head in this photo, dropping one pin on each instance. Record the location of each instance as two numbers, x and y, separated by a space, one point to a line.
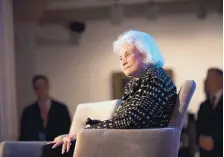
144 43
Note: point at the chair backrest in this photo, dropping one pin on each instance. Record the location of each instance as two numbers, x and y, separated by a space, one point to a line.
98 110
183 99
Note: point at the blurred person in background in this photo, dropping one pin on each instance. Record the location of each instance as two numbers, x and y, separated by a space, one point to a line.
149 98
46 118
209 125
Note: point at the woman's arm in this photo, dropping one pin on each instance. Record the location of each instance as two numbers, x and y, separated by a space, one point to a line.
146 107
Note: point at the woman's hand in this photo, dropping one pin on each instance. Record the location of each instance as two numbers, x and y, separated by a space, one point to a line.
59 138
64 141
206 142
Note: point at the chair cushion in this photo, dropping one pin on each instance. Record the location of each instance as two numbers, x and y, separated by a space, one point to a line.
128 143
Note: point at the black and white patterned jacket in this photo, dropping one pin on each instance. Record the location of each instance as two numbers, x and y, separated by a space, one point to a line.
147 103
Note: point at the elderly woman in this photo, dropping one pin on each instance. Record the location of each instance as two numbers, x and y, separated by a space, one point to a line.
148 100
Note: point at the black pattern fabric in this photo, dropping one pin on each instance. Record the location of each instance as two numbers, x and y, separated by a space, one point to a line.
148 102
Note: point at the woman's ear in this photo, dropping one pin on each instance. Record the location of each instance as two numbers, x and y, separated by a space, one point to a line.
144 57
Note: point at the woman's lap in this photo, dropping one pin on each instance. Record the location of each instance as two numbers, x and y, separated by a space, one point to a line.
47 151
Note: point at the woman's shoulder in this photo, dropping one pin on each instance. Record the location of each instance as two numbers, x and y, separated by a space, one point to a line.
160 76
158 73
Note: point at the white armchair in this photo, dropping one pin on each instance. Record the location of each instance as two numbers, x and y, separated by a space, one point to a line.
97 110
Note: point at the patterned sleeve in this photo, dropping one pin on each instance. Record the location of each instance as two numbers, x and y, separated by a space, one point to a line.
143 110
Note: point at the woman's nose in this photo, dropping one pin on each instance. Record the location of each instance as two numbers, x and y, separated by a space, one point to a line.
124 62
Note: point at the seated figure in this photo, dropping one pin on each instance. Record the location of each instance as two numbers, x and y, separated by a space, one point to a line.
148 100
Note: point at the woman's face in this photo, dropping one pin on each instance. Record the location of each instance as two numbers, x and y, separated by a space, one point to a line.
132 60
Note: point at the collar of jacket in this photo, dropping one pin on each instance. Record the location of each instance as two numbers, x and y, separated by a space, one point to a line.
147 74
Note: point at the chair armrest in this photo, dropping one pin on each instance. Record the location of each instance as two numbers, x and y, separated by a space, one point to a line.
20 149
128 143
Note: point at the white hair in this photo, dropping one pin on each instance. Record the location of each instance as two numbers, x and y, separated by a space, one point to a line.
144 43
